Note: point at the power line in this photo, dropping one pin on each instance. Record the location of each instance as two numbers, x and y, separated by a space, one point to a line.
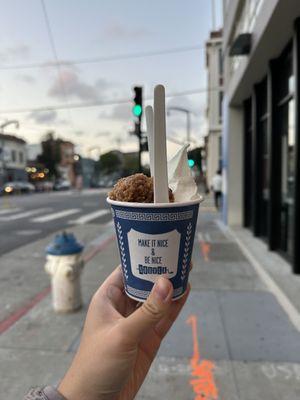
97 60
99 103
54 51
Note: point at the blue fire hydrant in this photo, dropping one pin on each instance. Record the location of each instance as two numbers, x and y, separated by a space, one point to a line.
64 265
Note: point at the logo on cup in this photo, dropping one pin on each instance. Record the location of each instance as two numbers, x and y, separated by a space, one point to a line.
153 254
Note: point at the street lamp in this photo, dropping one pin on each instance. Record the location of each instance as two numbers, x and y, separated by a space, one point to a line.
188 119
2 126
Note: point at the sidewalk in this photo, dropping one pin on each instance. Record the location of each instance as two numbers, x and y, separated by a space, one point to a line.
233 340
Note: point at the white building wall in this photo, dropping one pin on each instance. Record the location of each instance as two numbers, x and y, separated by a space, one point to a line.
10 148
213 49
271 24
13 160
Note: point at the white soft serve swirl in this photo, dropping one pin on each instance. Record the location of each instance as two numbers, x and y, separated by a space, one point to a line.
180 177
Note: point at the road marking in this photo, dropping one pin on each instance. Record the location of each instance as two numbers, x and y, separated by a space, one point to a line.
28 232
205 246
9 210
24 214
57 215
202 377
89 217
281 297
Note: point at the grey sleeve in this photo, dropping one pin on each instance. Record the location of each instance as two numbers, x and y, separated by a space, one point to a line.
47 393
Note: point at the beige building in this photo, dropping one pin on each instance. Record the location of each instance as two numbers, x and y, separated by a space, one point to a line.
261 125
12 158
214 65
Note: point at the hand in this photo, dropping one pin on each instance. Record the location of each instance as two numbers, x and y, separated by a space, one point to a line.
120 340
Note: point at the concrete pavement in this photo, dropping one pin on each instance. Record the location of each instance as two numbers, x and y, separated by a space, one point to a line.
233 340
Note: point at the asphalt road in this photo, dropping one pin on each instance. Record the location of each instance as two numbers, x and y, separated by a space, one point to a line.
26 218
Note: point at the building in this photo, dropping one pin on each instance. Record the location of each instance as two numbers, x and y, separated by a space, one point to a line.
261 146
214 65
12 159
58 157
88 169
65 167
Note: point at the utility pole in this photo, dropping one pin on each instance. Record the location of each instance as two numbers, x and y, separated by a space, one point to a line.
188 119
213 14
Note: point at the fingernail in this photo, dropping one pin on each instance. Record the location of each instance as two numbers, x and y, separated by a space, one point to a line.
161 289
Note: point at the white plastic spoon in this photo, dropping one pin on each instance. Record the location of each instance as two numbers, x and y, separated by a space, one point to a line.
149 122
160 170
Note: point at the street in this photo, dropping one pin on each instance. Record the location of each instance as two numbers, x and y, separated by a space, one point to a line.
237 337
26 218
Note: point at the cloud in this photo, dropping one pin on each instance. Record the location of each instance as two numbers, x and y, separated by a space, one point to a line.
102 134
25 78
68 84
79 133
116 30
43 117
16 52
121 112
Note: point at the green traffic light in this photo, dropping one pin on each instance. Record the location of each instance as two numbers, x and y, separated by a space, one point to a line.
137 110
191 163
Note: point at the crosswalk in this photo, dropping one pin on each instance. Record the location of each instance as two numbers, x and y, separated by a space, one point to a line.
56 215
73 216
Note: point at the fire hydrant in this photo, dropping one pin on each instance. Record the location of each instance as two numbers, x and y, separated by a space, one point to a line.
64 265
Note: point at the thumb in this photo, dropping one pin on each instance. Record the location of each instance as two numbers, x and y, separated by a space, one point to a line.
151 312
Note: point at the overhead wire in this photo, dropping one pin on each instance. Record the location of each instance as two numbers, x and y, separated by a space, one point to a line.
99 103
97 60
57 63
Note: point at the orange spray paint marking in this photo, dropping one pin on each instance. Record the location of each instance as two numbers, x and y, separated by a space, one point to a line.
205 249
202 380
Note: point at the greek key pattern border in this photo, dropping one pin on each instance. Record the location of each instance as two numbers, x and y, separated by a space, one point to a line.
143 294
154 217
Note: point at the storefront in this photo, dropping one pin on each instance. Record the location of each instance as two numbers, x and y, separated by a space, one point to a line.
271 155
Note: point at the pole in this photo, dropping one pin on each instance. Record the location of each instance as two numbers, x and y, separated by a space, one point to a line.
188 120
140 149
188 127
2 158
213 14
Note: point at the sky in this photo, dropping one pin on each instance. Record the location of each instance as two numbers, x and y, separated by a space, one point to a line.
96 43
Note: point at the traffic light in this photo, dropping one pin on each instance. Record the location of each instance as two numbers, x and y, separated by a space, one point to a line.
137 108
191 163
195 158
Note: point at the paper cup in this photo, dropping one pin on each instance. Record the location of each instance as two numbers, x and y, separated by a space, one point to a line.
155 240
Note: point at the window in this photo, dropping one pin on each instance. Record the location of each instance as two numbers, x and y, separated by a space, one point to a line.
21 156
13 156
248 187
286 121
245 24
220 55
220 107
262 179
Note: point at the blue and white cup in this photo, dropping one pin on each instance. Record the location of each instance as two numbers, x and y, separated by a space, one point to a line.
155 240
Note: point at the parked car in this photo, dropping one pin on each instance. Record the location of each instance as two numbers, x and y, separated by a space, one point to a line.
44 186
18 187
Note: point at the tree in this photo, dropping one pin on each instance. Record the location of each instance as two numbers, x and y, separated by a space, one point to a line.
50 156
109 162
131 163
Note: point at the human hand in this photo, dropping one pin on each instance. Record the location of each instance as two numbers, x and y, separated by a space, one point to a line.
120 340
